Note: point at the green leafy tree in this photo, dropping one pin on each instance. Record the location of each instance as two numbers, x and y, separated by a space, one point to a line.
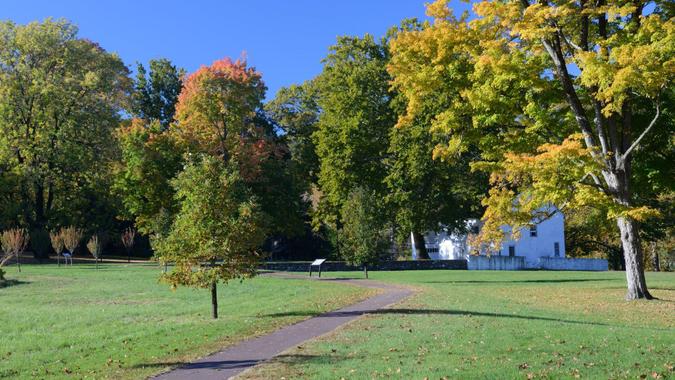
356 116
150 158
211 244
155 93
60 100
364 238
295 110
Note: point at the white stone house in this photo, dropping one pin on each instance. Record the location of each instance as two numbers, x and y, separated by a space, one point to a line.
544 239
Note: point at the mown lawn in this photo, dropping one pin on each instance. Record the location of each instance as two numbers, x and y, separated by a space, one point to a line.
119 322
498 325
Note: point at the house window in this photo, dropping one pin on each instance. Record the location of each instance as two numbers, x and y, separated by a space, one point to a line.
533 231
512 250
556 249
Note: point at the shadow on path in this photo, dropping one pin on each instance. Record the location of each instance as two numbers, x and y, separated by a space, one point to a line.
232 364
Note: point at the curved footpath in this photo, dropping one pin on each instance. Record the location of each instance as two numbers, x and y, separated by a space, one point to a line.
237 358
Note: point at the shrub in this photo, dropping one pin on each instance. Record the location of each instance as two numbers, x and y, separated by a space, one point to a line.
95 246
128 237
71 237
57 245
13 242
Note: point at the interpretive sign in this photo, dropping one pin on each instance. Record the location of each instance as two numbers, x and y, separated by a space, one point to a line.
316 263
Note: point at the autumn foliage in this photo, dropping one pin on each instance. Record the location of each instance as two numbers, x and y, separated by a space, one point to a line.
217 105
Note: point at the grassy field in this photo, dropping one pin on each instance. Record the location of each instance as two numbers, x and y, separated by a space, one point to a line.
119 322
498 325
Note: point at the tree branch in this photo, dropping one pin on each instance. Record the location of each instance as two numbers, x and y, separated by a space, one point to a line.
636 143
553 49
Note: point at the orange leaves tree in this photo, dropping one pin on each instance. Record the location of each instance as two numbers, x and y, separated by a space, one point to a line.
216 107
220 112
219 226
557 95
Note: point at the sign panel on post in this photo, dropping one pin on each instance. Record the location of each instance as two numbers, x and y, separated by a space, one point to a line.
316 263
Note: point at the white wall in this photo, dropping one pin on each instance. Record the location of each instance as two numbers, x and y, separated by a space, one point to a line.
553 263
532 248
495 263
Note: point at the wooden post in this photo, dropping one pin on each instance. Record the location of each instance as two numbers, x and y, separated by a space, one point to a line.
18 261
319 271
365 270
310 270
214 300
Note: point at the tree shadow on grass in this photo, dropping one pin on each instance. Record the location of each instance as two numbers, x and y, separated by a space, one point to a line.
542 281
7 283
406 311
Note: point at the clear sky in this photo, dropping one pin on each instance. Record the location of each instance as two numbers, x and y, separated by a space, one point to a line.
284 39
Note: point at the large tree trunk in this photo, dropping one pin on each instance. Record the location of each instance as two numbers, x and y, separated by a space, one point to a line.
618 182
214 300
420 247
632 251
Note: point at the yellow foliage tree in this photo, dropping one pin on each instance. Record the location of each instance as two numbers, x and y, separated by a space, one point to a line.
557 95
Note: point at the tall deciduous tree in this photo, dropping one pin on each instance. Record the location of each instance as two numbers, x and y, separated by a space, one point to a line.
230 177
156 92
550 92
60 98
356 116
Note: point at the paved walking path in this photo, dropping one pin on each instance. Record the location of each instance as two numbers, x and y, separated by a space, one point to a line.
236 359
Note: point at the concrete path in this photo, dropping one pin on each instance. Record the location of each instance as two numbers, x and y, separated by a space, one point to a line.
230 362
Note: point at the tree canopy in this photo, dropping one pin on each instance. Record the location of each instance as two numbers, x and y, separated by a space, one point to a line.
60 101
155 93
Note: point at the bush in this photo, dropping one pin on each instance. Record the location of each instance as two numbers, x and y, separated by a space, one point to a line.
95 246
71 237
13 242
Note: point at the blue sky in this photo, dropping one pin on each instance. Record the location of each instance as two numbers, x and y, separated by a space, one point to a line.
284 39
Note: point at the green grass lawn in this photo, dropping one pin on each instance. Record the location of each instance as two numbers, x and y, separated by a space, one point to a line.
119 322
498 325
